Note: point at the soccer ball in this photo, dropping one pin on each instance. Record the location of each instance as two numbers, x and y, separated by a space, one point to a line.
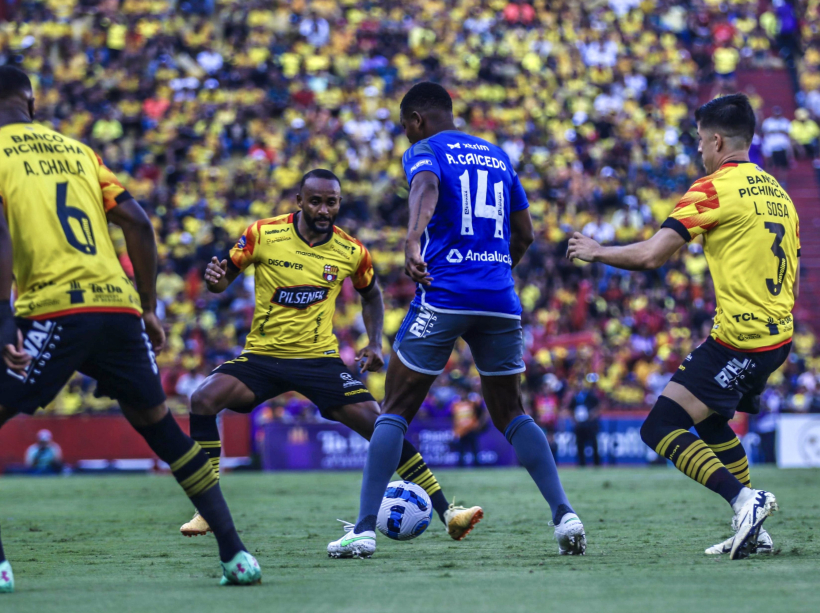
406 511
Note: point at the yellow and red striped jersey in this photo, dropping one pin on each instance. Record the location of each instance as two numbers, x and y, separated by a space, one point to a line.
297 284
751 239
55 193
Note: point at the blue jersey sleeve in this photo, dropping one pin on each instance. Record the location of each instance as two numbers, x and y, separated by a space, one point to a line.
518 197
419 158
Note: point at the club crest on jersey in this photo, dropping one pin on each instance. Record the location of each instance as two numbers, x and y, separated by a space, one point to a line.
330 273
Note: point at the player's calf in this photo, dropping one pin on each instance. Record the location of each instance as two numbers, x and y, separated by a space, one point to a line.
666 430
722 440
193 471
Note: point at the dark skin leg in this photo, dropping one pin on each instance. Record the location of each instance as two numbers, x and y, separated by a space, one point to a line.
405 389
503 398
220 391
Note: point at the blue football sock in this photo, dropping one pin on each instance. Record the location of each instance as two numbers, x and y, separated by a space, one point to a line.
534 453
382 460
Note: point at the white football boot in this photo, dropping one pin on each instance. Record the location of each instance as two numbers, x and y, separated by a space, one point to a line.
764 543
569 532
752 509
353 545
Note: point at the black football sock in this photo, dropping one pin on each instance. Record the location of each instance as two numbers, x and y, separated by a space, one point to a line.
412 467
192 469
2 553
722 440
205 432
666 430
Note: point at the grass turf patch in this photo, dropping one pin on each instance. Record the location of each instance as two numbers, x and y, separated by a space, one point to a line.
112 544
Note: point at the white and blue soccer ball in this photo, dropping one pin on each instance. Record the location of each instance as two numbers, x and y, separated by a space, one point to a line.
406 511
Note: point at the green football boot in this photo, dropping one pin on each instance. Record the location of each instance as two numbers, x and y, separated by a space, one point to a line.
243 569
6 578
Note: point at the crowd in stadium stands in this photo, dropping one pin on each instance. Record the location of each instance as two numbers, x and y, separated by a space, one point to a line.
211 111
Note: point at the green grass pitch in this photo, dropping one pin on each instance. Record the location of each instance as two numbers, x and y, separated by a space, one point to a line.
111 544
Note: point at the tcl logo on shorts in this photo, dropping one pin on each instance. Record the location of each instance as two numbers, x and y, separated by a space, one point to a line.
300 297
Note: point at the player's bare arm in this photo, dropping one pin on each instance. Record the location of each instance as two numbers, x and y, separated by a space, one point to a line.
522 234
423 199
646 255
218 277
370 358
141 245
11 339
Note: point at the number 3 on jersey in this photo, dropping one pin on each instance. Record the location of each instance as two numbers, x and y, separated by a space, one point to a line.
482 209
775 285
65 214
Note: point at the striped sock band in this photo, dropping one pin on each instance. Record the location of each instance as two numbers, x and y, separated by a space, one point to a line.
213 449
733 457
415 470
205 431
694 459
412 467
193 471
721 439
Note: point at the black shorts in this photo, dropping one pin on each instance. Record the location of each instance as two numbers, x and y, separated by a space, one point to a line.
326 382
780 159
727 380
109 347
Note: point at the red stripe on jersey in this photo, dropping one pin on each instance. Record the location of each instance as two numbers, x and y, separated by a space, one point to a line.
757 349
86 310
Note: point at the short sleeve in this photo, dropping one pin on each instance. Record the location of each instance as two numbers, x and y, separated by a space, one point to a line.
518 197
697 212
364 277
241 255
112 190
420 158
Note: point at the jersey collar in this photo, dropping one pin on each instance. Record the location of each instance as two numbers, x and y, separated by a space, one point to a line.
295 221
735 162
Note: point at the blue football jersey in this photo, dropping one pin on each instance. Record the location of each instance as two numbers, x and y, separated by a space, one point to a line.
467 243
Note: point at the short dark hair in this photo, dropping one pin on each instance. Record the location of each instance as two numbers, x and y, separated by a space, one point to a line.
426 95
319 173
731 115
13 81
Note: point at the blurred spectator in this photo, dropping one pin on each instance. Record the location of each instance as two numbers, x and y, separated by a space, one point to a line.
469 420
220 116
45 456
583 406
776 143
726 59
804 132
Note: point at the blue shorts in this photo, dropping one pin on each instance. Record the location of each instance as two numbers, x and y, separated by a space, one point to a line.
426 338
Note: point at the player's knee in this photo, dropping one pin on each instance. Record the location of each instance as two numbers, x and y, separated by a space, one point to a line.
666 416
202 403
